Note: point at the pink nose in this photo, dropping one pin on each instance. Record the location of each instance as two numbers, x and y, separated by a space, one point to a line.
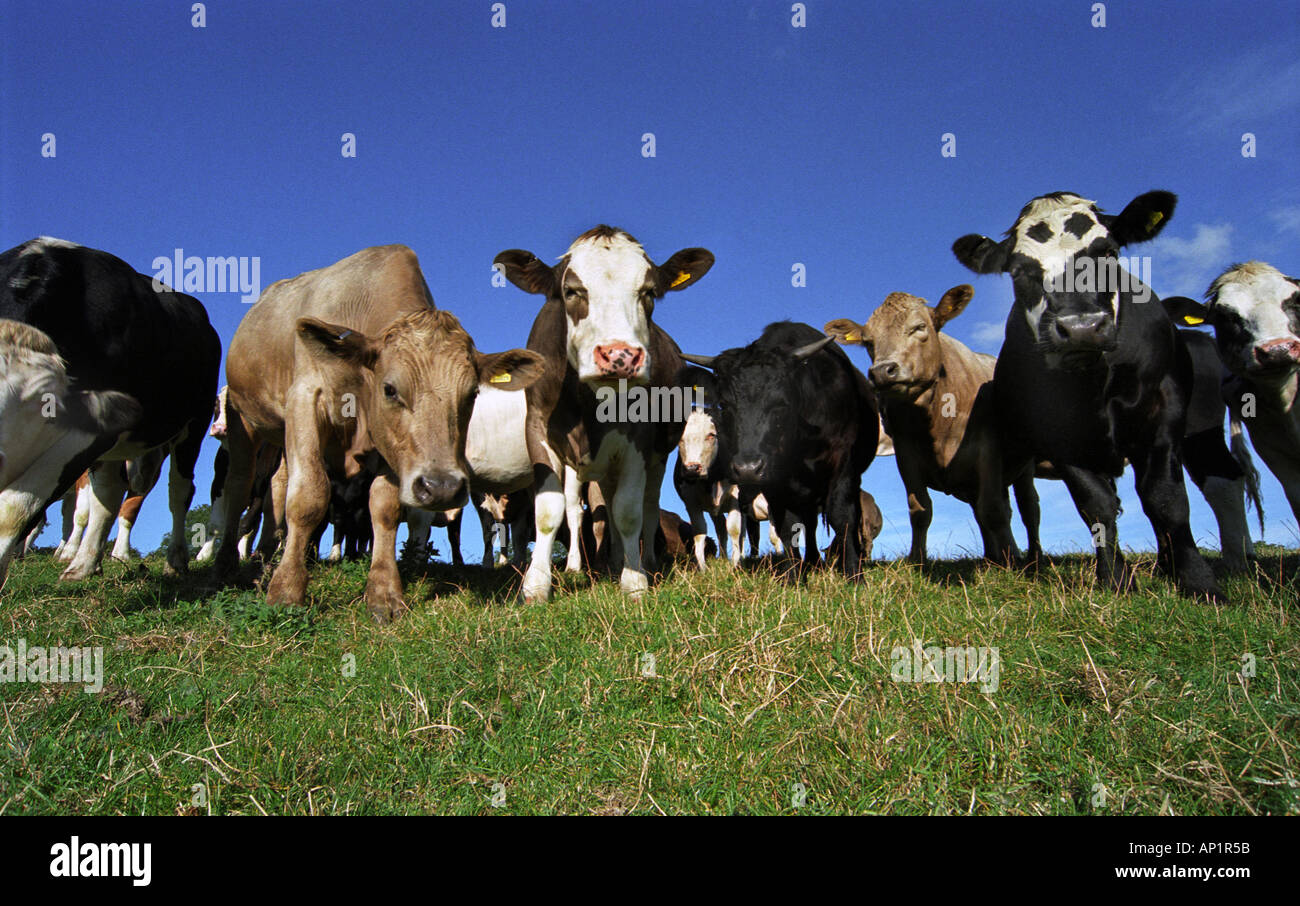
1278 352
619 360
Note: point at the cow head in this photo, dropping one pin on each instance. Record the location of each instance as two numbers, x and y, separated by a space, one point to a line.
417 383
1255 311
902 338
44 423
758 410
1062 255
698 448
607 286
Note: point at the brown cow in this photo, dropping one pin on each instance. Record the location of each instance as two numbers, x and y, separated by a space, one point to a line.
351 367
936 399
597 337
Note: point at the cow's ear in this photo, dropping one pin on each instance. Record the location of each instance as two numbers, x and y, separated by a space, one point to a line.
952 304
845 331
1186 312
1143 218
683 269
333 341
101 412
513 369
526 271
981 254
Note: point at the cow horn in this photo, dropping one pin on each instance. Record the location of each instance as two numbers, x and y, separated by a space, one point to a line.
804 351
705 361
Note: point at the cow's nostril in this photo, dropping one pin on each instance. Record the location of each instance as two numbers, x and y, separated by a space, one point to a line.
442 490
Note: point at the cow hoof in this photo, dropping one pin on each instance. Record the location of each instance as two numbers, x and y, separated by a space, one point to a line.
536 588
285 591
385 609
633 583
77 573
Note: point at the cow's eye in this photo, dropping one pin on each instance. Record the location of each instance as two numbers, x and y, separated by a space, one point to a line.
390 392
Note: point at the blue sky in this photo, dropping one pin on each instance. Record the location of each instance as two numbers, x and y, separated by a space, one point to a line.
774 145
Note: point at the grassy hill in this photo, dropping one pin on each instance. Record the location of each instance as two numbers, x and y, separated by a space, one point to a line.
720 692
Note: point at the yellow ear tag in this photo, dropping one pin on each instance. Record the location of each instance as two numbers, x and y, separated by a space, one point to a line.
1155 218
852 337
502 378
1192 320
681 278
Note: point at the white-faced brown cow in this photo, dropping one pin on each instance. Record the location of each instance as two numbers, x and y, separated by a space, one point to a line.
351 367
1255 311
936 399
594 331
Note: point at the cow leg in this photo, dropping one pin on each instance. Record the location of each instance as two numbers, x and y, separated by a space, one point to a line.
20 506
548 509
735 526
68 510
521 529
844 511
275 509
107 488
1227 498
920 511
485 523
627 510
336 549
80 516
573 519
1164 500
234 494
1030 514
307 500
384 586
699 530
1097 501
180 491
993 508
654 477
453 537
125 521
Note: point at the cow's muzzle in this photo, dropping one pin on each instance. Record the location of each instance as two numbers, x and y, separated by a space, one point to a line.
885 374
749 469
619 360
1094 331
1277 354
439 490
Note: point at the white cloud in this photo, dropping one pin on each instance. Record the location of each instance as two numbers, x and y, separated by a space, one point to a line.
1287 219
1185 267
987 336
1236 93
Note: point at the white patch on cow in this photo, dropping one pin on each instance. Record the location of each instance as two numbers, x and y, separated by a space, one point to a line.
1057 252
496 445
613 269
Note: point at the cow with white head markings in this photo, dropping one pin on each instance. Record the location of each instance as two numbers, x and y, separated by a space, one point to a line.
595 330
1092 372
1255 311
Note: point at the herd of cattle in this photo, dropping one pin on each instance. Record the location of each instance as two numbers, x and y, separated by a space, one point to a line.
351 399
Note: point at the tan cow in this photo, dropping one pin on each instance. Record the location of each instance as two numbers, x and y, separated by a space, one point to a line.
352 367
936 399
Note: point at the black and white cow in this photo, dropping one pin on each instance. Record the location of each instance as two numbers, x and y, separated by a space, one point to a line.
1092 371
596 333
802 425
98 367
1255 311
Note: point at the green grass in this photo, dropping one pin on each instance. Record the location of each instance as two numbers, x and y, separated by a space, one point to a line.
758 685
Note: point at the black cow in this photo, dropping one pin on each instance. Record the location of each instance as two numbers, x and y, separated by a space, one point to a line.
801 425
1092 372
106 367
